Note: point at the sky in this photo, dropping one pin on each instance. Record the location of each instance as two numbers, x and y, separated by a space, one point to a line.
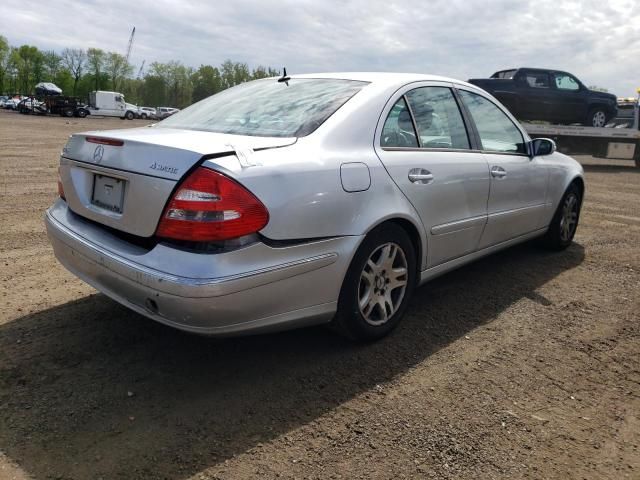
598 41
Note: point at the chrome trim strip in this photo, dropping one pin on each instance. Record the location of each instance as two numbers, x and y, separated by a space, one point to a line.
458 225
515 211
427 149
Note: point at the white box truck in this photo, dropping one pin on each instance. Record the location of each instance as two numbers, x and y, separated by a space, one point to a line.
111 104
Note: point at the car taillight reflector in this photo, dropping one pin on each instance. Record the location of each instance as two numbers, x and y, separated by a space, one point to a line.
60 187
105 141
209 206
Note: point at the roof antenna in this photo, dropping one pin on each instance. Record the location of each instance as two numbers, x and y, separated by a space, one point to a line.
284 78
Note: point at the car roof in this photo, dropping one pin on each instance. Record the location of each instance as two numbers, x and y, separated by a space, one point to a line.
544 70
382 78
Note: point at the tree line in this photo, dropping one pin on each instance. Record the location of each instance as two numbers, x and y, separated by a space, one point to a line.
78 72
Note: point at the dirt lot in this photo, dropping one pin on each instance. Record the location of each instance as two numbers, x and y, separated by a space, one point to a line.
522 365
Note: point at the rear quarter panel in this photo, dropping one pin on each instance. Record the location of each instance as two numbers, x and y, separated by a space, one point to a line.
301 187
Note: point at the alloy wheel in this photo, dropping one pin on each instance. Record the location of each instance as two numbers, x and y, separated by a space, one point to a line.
569 218
599 119
383 283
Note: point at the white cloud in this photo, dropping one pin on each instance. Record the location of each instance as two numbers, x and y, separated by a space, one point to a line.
597 41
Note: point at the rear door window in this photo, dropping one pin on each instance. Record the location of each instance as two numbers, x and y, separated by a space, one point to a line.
398 130
537 79
438 118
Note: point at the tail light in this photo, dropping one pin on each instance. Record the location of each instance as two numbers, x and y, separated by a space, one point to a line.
209 206
60 187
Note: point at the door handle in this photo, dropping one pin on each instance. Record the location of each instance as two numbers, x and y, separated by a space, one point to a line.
420 176
498 172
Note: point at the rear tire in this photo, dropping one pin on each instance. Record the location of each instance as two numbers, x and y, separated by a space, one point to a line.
82 113
68 113
378 285
565 221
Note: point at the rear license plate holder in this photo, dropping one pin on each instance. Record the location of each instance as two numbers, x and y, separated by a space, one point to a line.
108 193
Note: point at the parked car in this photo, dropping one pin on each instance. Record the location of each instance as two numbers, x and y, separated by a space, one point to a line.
12 102
147 112
47 89
164 112
329 198
549 95
30 105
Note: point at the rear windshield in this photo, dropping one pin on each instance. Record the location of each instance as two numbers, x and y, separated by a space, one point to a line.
268 107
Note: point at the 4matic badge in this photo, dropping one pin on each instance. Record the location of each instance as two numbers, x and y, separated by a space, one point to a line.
163 168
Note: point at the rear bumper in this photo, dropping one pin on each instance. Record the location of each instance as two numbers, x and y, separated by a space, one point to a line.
256 288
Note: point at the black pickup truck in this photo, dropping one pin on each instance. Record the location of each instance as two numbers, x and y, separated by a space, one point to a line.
549 95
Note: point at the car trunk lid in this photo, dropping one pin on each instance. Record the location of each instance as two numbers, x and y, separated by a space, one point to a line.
124 178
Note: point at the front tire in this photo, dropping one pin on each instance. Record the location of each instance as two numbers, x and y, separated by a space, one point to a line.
129 115
597 118
565 221
378 284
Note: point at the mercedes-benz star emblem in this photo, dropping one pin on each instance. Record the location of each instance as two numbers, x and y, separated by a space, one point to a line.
97 154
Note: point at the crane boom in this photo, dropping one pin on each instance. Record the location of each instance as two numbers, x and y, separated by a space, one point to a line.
141 68
133 32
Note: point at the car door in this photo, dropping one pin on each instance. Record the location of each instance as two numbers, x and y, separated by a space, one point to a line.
518 182
535 94
424 145
571 104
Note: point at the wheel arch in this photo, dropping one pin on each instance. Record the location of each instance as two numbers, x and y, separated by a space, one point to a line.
418 241
578 181
599 105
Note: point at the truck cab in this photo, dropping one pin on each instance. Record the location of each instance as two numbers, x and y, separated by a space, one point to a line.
110 104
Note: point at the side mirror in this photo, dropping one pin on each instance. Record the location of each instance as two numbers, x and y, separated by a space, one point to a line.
542 146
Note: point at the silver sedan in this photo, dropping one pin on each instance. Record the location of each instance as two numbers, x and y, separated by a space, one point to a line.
304 200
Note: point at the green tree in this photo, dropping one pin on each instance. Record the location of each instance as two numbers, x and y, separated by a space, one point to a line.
227 74
264 72
64 80
117 68
52 64
95 63
154 91
241 73
74 59
28 63
177 87
206 82
5 55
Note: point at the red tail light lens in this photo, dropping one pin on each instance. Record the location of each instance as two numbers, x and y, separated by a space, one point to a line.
209 206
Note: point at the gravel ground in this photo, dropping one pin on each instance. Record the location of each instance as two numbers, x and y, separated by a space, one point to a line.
523 365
